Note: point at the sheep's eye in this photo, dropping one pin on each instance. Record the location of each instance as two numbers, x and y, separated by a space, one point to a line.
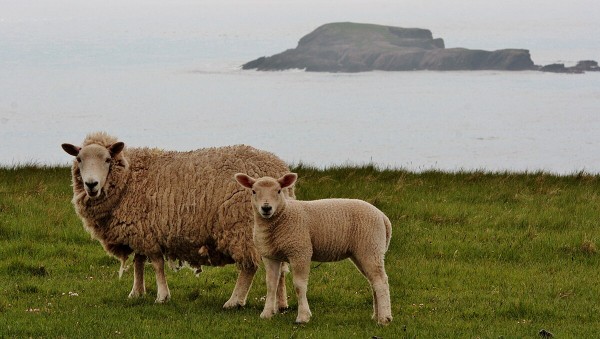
253 192
279 192
108 160
78 159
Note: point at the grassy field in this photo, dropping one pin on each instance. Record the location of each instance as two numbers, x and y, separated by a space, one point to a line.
472 255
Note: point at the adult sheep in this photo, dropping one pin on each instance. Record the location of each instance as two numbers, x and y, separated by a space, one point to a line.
179 205
324 230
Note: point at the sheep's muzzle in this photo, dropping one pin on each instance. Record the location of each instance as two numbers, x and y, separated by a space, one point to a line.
266 211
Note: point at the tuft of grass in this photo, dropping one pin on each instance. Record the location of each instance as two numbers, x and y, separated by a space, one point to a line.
473 254
588 247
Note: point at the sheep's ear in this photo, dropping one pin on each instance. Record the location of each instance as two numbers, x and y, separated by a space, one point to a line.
71 149
287 180
116 148
245 180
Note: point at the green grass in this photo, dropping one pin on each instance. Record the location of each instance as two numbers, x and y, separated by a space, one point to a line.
472 255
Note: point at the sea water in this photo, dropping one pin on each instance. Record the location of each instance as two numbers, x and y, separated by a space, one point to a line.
167 74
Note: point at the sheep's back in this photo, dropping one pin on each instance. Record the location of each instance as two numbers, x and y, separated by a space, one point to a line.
341 227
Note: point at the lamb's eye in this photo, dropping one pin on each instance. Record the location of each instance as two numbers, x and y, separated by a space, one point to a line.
78 159
279 192
108 160
253 192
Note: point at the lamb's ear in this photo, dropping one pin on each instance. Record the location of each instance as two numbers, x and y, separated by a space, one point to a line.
245 180
71 149
116 148
287 180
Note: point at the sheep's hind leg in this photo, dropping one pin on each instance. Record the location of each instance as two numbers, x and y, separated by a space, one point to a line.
272 268
162 288
282 302
374 271
139 287
242 286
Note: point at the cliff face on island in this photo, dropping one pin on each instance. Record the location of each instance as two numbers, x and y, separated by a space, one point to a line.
353 47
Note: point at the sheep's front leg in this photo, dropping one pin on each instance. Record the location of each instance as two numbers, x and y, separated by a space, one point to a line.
162 293
139 287
242 286
300 271
273 268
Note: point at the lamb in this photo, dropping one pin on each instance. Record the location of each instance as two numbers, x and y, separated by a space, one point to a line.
179 205
325 230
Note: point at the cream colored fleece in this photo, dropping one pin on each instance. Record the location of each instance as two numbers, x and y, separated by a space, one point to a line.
173 203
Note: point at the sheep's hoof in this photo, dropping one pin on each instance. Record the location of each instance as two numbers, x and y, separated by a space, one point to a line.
232 304
136 294
384 320
162 299
302 319
282 304
267 314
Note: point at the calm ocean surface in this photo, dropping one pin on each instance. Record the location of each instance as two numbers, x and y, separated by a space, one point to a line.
166 74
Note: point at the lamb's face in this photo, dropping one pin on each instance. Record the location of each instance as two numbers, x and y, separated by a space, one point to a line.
267 194
94 163
266 197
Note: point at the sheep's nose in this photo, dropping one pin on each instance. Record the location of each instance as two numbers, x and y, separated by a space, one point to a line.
91 184
266 209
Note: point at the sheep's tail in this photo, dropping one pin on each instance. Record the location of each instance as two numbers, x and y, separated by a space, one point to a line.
388 231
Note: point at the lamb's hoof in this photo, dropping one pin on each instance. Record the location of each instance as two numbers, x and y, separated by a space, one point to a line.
302 319
267 314
233 304
283 309
136 294
384 320
282 305
162 299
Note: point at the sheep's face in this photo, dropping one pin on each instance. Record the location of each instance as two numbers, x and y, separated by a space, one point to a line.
267 193
94 163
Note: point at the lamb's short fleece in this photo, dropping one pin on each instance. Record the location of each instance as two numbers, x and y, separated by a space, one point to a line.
299 232
179 205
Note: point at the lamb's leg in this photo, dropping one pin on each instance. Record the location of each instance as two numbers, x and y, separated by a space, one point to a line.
282 302
381 290
300 271
374 271
139 287
162 288
242 286
375 307
272 268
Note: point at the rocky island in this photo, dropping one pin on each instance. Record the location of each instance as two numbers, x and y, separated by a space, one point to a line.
355 47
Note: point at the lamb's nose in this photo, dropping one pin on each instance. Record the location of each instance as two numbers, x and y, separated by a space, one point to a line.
91 185
266 209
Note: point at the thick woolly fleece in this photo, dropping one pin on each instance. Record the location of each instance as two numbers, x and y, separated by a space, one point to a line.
161 203
324 230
